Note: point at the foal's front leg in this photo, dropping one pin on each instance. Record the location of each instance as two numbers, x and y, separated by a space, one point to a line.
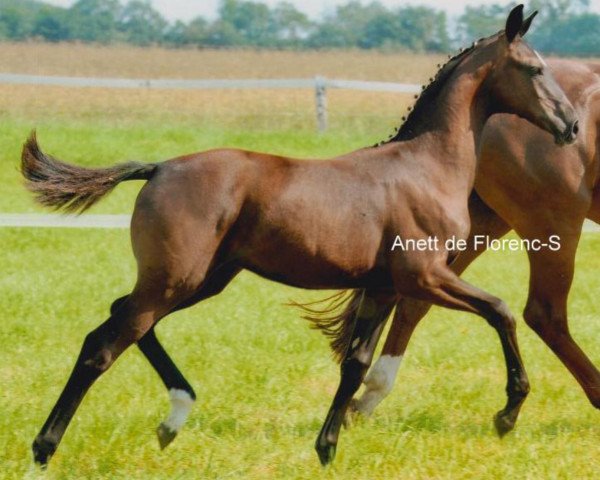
370 318
443 287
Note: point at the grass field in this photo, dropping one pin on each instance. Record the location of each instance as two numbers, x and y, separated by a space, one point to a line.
264 380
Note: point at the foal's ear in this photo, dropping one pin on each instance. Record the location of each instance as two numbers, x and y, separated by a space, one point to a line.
514 22
527 23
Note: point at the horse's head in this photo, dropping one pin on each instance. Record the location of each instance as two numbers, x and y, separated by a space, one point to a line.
520 82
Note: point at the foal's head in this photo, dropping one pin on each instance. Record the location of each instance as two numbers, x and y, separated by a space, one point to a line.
513 79
520 82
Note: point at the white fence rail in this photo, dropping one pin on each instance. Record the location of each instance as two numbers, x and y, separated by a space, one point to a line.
35 220
319 84
28 220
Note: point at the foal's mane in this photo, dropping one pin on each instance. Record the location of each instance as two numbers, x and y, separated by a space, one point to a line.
406 130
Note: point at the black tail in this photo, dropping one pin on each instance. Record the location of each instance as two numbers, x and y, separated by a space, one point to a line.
333 321
71 188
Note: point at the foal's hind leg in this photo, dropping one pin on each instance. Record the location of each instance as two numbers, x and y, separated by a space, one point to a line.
381 376
371 315
131 320
181 394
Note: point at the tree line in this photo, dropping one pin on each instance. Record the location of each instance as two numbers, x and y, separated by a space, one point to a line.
565 27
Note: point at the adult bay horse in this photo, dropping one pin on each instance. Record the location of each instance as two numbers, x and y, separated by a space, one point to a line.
320 224
515 190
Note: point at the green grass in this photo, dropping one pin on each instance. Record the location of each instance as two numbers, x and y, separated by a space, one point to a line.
264 380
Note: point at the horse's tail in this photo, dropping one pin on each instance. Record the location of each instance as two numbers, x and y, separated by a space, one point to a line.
335 318
71 188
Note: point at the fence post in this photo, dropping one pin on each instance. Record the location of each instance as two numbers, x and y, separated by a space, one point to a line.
321 103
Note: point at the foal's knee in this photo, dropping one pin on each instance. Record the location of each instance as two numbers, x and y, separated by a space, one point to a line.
501 316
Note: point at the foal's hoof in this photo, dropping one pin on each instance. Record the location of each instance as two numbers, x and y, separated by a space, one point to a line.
42 451
165 435
503 423
326 453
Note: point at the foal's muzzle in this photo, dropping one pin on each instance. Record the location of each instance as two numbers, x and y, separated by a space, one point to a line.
569 135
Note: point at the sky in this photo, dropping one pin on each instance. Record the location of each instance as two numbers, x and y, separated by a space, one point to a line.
187 9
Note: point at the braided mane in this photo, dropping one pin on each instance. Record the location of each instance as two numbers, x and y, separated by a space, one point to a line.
429 93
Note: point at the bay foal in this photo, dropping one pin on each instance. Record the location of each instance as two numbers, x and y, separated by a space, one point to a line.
319 224
526 183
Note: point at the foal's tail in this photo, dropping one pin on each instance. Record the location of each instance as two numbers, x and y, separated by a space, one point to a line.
71 188
335 319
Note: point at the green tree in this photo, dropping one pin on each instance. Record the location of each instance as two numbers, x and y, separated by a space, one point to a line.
52 24
16 18
374 26
563 27
288 25
243 23
175 33
481 21
141 24
95 20
197 32
412 28
576 35
346 28
426 29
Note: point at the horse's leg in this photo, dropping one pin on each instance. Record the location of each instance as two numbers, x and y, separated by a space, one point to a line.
443 287
409 312
546 312
370 317
131 320
181 394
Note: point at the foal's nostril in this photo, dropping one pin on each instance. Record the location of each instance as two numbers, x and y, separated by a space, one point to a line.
575 128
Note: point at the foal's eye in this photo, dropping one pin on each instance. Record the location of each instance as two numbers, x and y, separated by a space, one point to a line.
535 71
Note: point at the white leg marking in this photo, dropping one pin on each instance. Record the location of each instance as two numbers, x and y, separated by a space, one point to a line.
181 404
379 382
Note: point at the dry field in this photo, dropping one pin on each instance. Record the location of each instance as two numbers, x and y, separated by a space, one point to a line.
244 109
132 62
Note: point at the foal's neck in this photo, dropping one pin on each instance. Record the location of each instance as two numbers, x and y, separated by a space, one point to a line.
449 133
